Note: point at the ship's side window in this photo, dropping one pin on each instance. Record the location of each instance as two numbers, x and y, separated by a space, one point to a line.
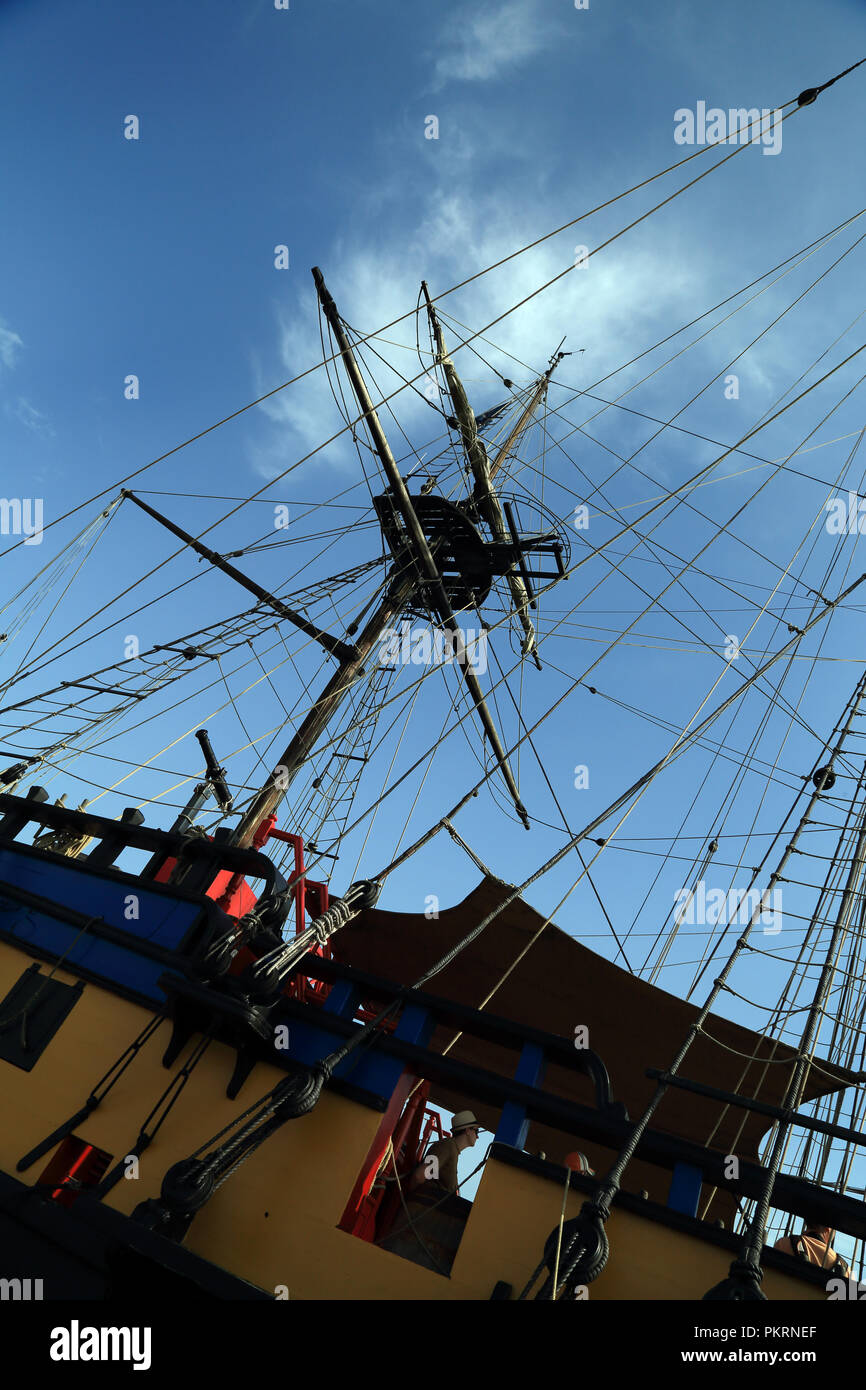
31 1014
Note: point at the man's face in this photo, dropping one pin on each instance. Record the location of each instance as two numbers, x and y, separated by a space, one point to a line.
471 1135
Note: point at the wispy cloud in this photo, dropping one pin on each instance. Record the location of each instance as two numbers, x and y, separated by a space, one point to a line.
30 417
20 408
376 278
9 345
491 41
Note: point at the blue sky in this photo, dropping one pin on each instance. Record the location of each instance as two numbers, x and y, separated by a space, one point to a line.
306 127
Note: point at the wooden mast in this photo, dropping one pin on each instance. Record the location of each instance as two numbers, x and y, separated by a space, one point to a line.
484 471
317 719
404 584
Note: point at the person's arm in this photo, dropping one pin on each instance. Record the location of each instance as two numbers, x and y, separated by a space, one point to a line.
425 1171
416 1177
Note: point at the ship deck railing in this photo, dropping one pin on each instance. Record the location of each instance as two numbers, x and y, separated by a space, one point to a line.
521 1098
201 858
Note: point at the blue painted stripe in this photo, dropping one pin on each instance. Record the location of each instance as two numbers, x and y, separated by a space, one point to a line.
685 1189
112 962
513 1127
162 919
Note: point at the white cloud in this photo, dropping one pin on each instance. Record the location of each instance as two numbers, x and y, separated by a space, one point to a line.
9 345
450 213
491 41
603 309
31 418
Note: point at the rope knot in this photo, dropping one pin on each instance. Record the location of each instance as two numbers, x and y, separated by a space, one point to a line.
585 1249
743 1285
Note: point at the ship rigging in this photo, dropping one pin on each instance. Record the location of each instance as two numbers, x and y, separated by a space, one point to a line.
483 530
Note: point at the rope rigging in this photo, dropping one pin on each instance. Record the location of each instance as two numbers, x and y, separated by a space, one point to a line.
809 388
241 660
794 102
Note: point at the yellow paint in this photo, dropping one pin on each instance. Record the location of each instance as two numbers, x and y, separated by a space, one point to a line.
94 1035
647 1261
274 1222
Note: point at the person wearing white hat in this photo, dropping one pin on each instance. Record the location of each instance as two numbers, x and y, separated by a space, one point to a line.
439 1165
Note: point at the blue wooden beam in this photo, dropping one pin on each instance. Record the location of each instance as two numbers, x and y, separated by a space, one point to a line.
343 999
513 1124
685 1189
378 1073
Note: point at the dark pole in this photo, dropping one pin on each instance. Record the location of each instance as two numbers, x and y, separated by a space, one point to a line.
397 487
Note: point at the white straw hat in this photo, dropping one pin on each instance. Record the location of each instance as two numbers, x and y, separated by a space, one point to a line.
464 1119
